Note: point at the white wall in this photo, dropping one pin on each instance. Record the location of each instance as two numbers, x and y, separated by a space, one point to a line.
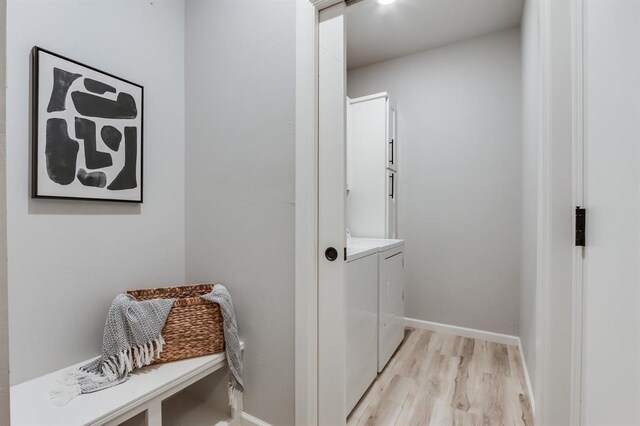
531 116
240 71
68 259
459 142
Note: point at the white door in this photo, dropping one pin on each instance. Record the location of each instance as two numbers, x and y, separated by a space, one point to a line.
332 306
611 328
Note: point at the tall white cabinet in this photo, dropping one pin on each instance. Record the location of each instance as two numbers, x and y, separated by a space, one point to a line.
372 167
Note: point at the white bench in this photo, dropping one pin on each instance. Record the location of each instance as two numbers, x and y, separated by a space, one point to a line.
138 401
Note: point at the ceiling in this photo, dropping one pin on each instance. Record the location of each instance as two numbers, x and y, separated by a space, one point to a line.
378 32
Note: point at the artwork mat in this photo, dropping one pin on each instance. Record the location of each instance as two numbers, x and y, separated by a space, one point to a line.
42 186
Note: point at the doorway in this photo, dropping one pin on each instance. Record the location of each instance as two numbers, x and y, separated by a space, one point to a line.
310 335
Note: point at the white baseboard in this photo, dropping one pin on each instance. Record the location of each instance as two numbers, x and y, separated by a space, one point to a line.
249 420
473 333
526 377
463 331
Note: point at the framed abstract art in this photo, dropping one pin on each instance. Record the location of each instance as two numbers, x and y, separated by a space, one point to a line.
87 128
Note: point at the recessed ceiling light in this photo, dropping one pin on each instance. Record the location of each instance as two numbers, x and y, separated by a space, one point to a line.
386 1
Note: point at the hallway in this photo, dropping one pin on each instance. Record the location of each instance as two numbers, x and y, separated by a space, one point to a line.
443 379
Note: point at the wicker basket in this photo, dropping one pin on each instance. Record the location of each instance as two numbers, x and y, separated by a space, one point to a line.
194 325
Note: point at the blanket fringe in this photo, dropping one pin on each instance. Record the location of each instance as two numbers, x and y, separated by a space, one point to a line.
116 366
233 401
68 386
67 389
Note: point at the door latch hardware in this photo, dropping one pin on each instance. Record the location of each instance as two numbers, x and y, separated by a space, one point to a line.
331 254
581 222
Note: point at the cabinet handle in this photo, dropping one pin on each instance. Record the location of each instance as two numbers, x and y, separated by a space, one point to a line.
391 143
392 176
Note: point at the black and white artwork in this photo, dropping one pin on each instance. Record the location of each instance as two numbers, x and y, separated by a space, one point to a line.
87 131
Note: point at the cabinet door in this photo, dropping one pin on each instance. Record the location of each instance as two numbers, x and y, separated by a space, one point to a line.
392 146
362 326
398 294
349 143
391 305
391 205
396 283
367 148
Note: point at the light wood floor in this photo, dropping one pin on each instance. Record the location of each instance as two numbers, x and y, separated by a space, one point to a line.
441 379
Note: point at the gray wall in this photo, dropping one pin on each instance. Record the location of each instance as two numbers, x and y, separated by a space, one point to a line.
530 146
59 287
240 73
459 181
4 327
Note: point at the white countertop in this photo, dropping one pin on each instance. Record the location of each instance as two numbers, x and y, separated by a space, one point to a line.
358 248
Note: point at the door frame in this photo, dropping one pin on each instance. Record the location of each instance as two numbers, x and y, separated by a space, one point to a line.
306 211
578 140
550 226
4 320
559 285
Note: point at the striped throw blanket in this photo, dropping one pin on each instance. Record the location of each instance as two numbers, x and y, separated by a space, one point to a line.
132 339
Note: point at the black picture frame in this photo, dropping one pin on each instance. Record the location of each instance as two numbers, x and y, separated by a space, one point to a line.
36 144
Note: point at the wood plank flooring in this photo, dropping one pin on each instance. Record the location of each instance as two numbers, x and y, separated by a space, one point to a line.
442 379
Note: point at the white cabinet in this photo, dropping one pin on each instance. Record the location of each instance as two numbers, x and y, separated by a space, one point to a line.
390 303
375 310
362 326
372 167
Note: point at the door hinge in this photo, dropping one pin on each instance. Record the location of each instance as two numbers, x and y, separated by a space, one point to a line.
581 222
